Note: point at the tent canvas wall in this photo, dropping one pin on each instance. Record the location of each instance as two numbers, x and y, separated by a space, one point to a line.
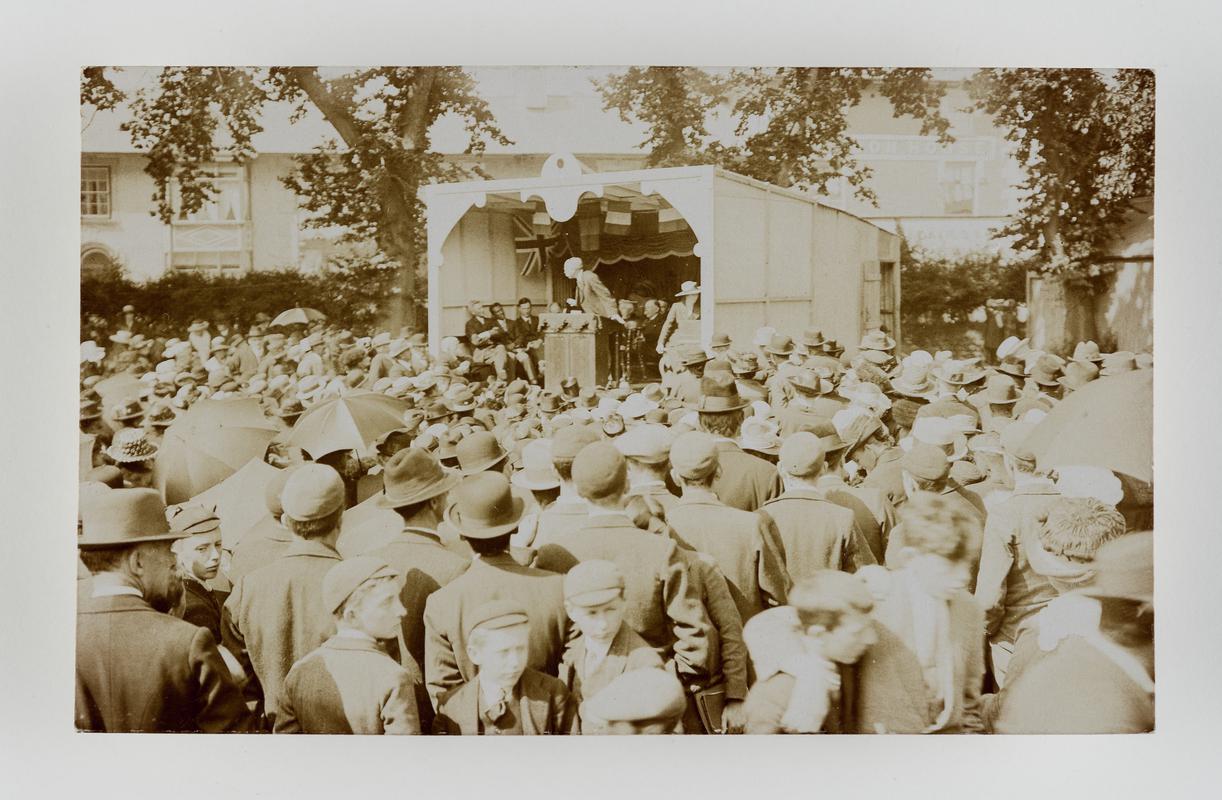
763 255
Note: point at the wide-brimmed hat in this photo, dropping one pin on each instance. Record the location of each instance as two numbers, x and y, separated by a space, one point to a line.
1046 369
162 416
760 435
90 410
537 472
484 506
998 390
635 406
812 337
1116 363
688 288
832 348
810 383
131 445
121 337
126 409
719 393
461 400
745 364
1124 568
938 432
92 353
1013 366
124 516
960 373
691 355
779 345
914 381
1013 347
720 340
199 326
876 340
291 408
1078 374
412 476
1086 351
854 425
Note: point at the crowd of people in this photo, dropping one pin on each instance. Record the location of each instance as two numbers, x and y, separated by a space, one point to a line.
775 536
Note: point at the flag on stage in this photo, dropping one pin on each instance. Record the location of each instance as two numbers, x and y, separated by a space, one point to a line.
541 221
618 221
670 220
535 249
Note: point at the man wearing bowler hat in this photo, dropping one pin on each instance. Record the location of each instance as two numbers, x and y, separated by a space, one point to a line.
417 489
662 603
137 667
744 481
486 512
349 684
275 615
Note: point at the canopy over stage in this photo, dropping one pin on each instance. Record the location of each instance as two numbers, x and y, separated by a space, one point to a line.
762 254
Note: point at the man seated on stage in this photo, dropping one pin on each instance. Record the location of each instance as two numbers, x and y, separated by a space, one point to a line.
487 339
527 338
514 349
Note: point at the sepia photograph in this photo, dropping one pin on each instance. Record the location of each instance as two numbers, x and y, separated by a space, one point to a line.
638 400
775 382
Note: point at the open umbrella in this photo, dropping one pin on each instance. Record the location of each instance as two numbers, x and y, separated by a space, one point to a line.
351 421
298 316
1107 423
208 443
239 500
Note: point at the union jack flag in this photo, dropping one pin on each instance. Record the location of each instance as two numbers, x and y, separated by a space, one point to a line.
535 249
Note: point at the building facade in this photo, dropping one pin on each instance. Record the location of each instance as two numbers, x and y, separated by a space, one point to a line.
946 199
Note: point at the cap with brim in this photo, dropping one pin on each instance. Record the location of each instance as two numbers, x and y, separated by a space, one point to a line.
124 516
592 583
485 506
312 492
647 443
495 615
347 576
194 520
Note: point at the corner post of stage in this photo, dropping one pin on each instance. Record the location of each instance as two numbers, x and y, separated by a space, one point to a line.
692 195
443 210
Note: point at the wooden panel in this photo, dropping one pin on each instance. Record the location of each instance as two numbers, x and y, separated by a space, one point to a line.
584 356
789 235
742 246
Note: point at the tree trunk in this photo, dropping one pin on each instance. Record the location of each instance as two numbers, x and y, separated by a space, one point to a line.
1063 315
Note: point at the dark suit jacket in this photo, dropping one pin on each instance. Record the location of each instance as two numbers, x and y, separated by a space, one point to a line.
662 605
349 685
544 707
201 607
818 534
524 331
740 542
276 615
140 670
746 481
446 663
426 565
628 651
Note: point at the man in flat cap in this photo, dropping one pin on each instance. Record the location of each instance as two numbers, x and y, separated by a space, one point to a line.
199 559
817 533
276 615
647 450
662 605
744 544
505 697
349 684
137 667
594 600
640 702
486 512
744 481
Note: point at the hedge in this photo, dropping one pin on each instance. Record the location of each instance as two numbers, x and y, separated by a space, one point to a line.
353 293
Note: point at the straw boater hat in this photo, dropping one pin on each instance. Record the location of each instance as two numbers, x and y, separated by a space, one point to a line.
131 445
688 288
876 340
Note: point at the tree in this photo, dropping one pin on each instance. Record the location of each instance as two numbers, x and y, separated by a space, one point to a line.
790 123
1085 139
366 180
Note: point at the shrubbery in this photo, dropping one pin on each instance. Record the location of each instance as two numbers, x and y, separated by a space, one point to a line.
353 292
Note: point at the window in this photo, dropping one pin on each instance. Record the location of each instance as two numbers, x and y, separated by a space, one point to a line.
959 187
227 203
95 192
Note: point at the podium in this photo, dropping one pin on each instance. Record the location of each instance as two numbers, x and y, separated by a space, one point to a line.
574 345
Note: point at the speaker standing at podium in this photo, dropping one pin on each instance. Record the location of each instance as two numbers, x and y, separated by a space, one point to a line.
593 297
